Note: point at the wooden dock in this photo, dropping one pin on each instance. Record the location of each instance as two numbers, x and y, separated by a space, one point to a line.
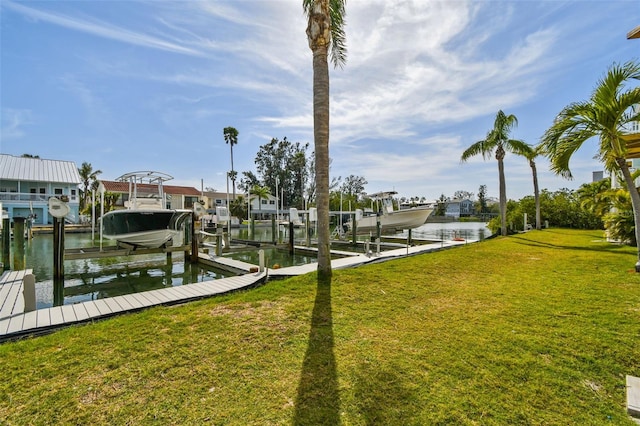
15 323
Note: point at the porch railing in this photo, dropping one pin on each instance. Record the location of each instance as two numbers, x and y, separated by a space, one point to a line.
28 196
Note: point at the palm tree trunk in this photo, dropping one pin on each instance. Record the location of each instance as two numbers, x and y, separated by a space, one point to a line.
503 191
321 140
536 193
635 202
233 175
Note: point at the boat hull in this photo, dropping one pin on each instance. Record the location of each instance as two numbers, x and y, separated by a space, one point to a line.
144 228
394 221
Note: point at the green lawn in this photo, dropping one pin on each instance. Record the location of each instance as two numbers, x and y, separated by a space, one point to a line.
537 328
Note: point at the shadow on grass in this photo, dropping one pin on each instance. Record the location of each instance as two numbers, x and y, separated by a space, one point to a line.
609 247
318 402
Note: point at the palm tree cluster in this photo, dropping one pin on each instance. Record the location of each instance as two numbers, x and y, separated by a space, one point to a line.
605 115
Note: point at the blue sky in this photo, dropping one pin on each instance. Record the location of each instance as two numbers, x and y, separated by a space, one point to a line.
150 85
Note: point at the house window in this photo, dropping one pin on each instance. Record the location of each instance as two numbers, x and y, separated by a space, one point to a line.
272 202
57 191
189 201
264 202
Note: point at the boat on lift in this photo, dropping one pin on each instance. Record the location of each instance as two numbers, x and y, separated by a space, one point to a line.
145 221
390 219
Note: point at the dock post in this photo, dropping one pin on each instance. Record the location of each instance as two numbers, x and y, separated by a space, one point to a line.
261 260
274 238
29 292
219 236
194 239
58 261
354 230
252 227
227 240
6 244
307 229
378 233
291 239
18 243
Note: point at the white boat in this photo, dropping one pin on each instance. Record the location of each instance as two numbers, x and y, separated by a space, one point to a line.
145 221
391 220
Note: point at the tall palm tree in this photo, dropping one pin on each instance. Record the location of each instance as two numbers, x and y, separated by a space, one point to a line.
530 153
498 141
89 177
325 33
605 115
231 138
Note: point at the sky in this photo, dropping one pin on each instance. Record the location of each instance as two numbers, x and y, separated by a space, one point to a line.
150 85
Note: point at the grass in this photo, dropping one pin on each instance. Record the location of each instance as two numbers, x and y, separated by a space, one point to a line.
533 329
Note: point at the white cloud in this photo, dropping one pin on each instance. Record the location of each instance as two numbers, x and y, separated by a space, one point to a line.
13 123
100 29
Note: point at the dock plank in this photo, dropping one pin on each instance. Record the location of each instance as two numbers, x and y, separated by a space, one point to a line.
102 307
30 320
189 289
132 301
44 318
91 308
9 306
56 315
4 297
155 300
123 302
114 306
144 301
68 313
15 324
81 311
4 325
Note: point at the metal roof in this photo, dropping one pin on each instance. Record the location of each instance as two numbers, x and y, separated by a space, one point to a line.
38 170
123 187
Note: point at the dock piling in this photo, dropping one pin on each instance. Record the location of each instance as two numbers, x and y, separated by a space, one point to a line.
58 261
6 244
18 243
29 292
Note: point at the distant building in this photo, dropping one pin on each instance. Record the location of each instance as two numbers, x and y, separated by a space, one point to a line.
27 183
597 176
457 208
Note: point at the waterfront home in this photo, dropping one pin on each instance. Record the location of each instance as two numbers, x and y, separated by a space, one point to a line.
458 208
177 197
27 183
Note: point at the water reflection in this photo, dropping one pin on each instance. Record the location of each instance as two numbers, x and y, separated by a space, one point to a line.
90 279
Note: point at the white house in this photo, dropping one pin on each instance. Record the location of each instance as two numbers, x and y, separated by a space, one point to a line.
459 208
27 183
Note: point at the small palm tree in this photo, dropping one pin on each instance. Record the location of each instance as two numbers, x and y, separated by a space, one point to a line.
260 192
231 138
530 153
325 33
498 141
605 115
89 178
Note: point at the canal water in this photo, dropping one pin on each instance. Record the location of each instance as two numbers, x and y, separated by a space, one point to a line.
90 279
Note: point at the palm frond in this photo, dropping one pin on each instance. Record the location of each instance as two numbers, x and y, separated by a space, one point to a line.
338 48
480 147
